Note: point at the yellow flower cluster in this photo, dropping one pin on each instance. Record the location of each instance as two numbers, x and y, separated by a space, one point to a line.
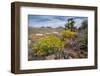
47 45
67 34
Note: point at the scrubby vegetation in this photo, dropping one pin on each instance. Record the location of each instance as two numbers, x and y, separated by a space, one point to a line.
59 43
67 34
47 45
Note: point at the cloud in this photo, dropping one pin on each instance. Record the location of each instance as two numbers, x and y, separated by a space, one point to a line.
52 21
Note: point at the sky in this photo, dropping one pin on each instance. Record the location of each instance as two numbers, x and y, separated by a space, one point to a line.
52 21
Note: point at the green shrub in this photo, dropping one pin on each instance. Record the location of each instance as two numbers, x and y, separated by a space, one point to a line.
47 45
67 34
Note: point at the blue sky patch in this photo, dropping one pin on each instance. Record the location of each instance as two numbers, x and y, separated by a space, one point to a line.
52 21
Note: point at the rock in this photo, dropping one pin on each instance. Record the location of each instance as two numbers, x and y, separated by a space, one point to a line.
50 57
70 57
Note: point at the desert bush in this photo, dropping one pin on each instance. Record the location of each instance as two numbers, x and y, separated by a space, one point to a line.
47 45
83 39
67 34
